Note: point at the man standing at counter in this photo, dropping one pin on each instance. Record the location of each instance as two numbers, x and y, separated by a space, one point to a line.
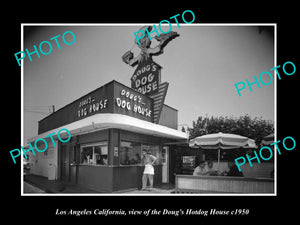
148 160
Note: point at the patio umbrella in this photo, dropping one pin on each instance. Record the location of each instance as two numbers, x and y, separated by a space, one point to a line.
222 141
267 140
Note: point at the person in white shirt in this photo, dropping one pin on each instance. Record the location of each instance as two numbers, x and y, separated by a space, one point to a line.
148 160
200 169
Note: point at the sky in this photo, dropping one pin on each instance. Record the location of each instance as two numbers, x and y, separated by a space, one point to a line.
202 66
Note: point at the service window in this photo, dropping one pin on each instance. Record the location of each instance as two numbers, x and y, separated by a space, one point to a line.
130 153
155 151
94 153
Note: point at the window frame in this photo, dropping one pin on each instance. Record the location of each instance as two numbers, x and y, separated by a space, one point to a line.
93 145
142 145
140 152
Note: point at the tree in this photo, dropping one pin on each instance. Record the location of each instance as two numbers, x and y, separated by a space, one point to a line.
256 128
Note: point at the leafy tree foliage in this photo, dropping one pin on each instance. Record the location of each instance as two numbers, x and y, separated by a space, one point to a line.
256 128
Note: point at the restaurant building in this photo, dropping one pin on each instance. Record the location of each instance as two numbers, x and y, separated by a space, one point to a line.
110 127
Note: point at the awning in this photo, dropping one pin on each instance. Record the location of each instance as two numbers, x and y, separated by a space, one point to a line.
113 120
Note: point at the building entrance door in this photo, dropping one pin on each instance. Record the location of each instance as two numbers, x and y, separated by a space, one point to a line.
64 163
165 164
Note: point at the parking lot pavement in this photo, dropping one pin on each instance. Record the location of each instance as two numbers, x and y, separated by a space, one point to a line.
28 188
154 191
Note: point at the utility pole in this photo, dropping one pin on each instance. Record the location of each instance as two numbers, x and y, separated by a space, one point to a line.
51 108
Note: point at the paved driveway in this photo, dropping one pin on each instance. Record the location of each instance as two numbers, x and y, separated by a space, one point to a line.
154 191
28 188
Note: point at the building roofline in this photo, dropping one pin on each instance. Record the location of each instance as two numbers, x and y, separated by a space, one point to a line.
104 121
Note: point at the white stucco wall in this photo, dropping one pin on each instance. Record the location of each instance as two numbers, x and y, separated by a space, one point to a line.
41 161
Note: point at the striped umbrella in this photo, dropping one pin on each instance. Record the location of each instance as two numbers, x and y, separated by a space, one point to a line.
221 141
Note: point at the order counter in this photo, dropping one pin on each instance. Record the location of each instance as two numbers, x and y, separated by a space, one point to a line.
223 184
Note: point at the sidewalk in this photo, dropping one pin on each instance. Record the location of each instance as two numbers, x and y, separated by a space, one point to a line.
54 186
161 189
28 188
153 191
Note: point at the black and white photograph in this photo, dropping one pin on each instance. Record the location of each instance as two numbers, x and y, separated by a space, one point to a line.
147 113
173 111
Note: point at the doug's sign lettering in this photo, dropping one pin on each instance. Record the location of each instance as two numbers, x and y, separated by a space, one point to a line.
133 103
146 77
90 105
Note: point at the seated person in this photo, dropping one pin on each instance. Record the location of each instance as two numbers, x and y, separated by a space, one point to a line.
233 170
210 170
200 170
